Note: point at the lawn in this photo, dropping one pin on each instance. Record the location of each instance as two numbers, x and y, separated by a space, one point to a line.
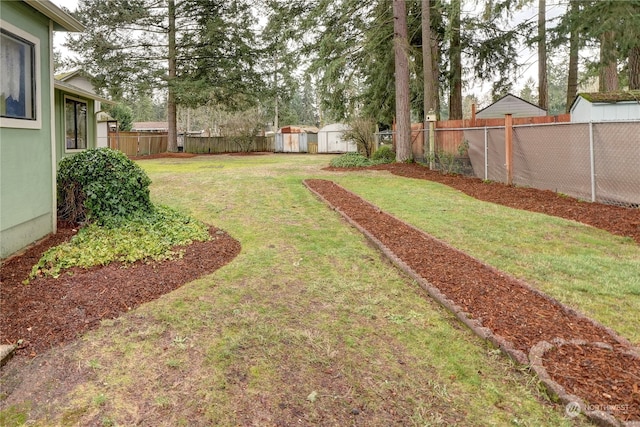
309 325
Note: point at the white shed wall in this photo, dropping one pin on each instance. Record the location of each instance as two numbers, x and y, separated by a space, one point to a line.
585 111
330 140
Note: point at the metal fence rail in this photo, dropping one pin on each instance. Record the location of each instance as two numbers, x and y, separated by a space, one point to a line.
597 161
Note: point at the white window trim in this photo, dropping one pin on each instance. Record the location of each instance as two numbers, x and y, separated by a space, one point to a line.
6 122
64 109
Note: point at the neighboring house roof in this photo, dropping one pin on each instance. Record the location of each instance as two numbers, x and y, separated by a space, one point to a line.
62 20
610 97
80 92
511 104
150 126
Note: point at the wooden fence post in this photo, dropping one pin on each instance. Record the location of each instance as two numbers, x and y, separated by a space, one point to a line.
508 146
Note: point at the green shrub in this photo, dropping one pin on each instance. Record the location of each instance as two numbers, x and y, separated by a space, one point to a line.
102 185
143 238
384 154
350 160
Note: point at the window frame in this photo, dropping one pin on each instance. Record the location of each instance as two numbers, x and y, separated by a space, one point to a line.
86 130
36 74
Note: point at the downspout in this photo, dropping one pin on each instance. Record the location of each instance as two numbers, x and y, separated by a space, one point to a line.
54 154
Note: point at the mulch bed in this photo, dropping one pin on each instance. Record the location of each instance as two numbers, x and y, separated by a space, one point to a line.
513 311
47 312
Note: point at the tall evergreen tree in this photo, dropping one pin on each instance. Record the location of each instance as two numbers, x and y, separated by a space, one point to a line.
403 113
200 51
455 62
543 86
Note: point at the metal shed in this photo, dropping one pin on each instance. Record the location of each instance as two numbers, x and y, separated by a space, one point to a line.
330 139
295 139
510 104
606 106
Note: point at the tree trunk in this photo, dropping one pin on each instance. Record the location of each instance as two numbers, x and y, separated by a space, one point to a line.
172 145
543 86
634 68
455 71
403 113
428 61
608 63
572 78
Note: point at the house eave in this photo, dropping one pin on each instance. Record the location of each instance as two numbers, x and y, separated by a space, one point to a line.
62 20
65 87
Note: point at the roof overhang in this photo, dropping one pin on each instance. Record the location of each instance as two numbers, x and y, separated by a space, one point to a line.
66 87
62 20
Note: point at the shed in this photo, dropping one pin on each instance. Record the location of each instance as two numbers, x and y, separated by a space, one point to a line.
510 104
27 121
330 139
295 139
606 106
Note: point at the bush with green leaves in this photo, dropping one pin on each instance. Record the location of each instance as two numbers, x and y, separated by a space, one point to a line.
384 154
350 160
153 237
102 185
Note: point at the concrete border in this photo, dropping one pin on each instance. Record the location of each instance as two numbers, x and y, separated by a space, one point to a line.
475 325
6 353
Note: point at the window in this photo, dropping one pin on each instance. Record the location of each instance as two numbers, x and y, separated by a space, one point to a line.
75 118
20 78
17 59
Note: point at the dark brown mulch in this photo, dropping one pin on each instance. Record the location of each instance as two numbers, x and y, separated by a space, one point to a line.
48 312
567 364
508 308
615 219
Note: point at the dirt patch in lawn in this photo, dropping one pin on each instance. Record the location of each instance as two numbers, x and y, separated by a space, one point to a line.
617 220
48 312
514 313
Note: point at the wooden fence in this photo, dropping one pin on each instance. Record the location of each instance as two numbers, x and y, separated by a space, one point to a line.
221 144
139 143
450 135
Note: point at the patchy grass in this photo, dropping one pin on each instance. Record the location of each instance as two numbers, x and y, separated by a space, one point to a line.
309 324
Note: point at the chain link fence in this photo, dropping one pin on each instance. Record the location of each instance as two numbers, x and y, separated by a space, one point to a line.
591 161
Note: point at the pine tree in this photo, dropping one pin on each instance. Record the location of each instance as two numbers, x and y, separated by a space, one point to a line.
403 113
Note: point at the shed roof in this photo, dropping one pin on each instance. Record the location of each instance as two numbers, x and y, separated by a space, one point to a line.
611 97
511 104
335 127
298 129
62 20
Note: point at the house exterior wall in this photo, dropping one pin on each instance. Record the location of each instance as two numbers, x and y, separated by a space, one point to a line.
81 82
510 105
61 150
26 177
